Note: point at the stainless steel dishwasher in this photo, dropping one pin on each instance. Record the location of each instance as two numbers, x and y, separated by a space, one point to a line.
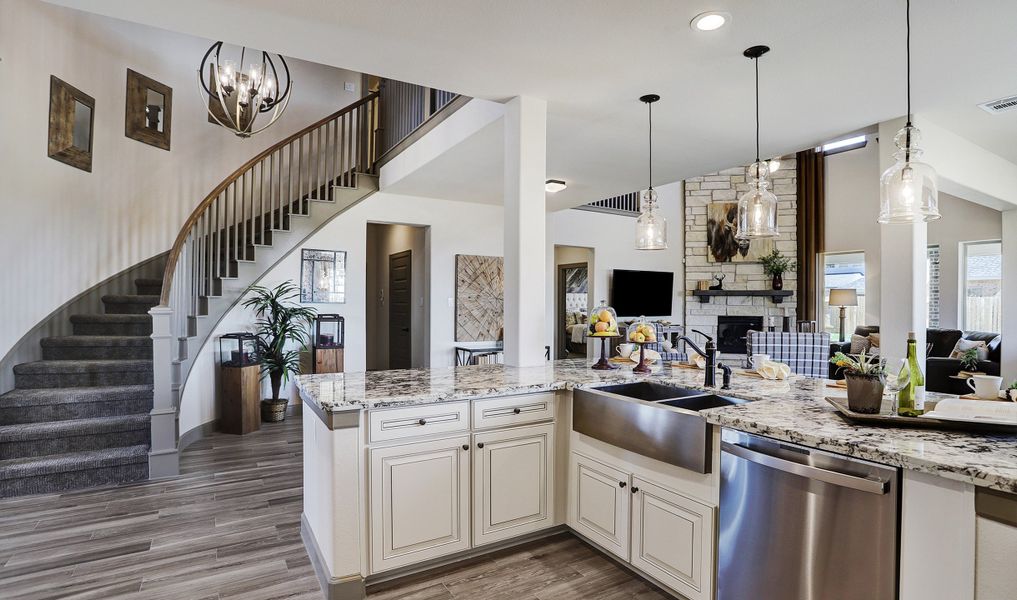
803 524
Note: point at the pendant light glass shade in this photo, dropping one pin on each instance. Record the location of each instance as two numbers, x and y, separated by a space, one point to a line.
651 226
908 192
757 208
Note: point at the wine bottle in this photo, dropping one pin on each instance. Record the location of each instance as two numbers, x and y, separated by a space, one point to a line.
911 398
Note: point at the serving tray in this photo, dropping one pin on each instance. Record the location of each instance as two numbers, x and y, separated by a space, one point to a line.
881 420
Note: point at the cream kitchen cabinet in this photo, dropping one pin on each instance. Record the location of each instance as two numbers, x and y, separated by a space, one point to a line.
665 535
513 482
420 501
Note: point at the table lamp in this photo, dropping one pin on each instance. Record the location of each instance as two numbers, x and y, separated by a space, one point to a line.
843 298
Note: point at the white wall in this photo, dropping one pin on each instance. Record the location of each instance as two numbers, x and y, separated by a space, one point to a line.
612 238
383 240
455 228
852 206
962 221
66 230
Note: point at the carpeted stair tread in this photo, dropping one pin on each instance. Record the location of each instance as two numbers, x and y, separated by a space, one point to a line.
57 404
74 427
82 366
136 298
146 285
114 318
115 324
98 340
72 461
129 303
87 347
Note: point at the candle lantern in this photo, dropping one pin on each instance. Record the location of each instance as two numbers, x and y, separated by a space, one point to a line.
238 349
329 341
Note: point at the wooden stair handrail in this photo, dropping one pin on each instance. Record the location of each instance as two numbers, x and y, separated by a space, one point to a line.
185 229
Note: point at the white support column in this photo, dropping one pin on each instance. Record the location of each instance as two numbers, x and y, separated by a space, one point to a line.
525 225
904 286
163 458
1009 365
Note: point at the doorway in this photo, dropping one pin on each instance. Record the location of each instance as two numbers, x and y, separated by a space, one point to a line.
573 294
397 292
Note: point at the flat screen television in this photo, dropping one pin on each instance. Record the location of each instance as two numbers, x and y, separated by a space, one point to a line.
642 293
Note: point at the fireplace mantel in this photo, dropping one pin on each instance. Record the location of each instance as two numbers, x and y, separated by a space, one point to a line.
776 295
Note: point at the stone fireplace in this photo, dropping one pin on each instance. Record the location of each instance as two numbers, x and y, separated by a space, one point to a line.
701 262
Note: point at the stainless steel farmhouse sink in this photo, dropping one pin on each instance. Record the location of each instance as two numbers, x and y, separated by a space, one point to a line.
652 419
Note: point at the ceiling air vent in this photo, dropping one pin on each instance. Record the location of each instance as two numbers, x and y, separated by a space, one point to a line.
999 106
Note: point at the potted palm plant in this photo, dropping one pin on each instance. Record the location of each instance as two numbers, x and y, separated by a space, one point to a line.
863 374
775 265
281 325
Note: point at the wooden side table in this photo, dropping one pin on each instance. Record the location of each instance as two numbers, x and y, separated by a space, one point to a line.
240 403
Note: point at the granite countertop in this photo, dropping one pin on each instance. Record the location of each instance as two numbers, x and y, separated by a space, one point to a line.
793 410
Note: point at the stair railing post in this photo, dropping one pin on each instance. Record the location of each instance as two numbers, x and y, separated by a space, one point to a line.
163 458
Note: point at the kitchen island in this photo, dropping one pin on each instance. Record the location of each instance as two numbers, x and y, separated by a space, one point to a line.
370 427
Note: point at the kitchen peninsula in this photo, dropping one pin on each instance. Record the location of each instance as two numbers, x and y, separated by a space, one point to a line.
409 469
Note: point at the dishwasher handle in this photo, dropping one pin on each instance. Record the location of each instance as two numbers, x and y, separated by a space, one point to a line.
872 485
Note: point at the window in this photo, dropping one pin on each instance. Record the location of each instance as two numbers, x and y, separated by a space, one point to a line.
843 271
981 283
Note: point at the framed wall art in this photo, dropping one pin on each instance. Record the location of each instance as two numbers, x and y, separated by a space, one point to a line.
322 276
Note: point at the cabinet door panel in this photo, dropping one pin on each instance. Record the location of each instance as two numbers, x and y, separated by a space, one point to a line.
599 507
672 539
513 479
419 502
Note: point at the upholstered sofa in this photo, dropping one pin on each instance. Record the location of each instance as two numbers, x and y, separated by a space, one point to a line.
939 367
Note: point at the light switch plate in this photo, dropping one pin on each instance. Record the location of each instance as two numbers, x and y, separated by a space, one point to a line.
350 86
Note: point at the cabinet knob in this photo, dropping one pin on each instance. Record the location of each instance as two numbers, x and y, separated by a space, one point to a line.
517 410
466 446
635 490
480 445
622 484
422 422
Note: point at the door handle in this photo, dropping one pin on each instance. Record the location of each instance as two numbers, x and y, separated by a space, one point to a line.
405 329
466 447
622 484
872 485
480 445
517 411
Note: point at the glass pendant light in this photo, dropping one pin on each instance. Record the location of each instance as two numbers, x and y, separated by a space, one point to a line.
908 192
651 226
757 208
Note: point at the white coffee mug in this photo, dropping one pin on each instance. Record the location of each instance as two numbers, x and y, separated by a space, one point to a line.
986 387
667 345
624 350
758 360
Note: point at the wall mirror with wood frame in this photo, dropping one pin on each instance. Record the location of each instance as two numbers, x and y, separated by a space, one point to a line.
149 110
71 124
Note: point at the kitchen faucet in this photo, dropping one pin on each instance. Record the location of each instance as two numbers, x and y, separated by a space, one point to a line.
710 355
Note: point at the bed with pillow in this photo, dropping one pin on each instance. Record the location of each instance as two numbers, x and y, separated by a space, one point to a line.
575 332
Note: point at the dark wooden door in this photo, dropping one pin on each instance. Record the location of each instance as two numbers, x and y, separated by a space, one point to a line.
400 306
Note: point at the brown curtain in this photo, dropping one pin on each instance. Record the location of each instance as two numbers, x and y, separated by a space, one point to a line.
811 230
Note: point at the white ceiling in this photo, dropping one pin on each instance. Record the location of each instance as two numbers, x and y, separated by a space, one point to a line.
835 66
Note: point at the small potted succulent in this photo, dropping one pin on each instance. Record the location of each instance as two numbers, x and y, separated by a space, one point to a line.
281 324
775 265
863 374
969 361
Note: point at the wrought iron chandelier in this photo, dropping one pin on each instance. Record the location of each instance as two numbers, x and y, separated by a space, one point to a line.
237 96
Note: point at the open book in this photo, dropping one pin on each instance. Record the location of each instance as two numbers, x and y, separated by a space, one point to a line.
976 411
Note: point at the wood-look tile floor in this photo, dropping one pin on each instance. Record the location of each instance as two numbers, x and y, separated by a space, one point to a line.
229 527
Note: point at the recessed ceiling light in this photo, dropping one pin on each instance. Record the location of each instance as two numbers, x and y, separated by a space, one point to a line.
710 21
554 186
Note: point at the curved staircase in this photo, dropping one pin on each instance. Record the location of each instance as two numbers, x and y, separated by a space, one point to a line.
80 416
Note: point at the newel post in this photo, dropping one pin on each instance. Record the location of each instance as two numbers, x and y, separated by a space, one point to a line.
163 458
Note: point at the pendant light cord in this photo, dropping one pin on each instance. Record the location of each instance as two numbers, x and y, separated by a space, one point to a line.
756 61
908 47
650 136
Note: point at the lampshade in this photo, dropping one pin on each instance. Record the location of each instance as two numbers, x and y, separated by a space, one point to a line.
651 226
843 297
757 208
908 191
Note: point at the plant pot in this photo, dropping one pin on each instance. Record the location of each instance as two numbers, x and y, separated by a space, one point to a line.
274 411
778 281
865 393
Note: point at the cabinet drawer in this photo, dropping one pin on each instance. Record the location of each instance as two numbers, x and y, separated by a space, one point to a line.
512 410
399 423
